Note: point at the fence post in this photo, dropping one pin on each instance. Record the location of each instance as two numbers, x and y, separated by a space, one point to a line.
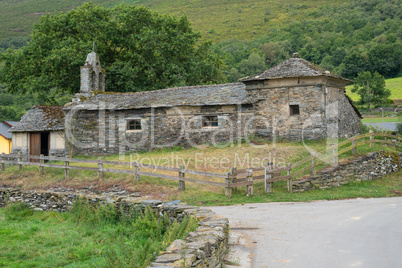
354 145
3 165
66 170
250 179
41 162
182 184
232 180
312 166
136 170
19 159
371 138
228 190
268 175
100 167
290 181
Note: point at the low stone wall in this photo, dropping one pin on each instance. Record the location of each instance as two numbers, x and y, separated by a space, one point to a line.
204 247
366 168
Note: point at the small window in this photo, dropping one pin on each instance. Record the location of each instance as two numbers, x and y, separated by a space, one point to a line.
210 121
294 110
134 124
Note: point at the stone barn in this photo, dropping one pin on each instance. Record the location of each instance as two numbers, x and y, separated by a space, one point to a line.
293 100
40 131
303 101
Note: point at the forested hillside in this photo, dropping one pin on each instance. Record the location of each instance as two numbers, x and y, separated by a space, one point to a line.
345 37
216 19
354 37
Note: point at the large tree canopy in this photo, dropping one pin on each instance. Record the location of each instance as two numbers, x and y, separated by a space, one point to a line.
139 49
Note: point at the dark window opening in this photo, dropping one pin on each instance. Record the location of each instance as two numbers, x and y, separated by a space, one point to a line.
100 82
210 121
44 143
294 110
134 124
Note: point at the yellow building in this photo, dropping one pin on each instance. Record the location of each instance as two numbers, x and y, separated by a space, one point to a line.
5 136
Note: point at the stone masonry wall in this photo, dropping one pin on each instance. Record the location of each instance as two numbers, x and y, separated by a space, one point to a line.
273 107
366 168
341 118
105 132
204 247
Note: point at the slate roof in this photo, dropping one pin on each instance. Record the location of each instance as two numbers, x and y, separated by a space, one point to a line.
223 94
293 67
4 131
11 123
41 118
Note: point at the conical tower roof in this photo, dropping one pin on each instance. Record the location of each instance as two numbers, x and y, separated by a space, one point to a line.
293 67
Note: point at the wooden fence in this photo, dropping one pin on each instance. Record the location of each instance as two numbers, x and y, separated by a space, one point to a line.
133 168
232 180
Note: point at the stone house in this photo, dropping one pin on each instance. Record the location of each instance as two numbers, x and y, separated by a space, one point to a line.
293 100
40 131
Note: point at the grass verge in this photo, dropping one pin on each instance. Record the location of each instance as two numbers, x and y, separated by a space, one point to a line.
380 120
84 237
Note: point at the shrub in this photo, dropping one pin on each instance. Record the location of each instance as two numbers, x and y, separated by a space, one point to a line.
399 128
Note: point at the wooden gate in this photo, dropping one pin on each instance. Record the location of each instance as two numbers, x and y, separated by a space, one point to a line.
34 145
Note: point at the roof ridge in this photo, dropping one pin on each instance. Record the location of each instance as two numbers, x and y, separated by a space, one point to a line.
169 89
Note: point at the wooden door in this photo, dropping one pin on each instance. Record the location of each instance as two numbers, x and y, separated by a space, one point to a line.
34 145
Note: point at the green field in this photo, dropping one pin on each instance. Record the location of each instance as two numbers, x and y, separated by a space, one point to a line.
393 84
215 19
84 237
379 120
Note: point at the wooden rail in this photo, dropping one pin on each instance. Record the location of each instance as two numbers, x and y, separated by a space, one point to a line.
234 179
134 168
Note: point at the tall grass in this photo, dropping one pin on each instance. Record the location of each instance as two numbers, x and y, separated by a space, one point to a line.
88 235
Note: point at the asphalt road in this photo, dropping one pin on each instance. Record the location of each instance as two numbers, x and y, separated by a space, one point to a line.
344 233
386 126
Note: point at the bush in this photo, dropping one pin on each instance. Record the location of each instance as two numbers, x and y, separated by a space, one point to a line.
399 128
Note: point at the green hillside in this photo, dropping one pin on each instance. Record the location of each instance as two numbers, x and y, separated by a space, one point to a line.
215 19
239 19
249 36
393 84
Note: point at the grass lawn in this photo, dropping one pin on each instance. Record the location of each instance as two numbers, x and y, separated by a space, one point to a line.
208 159
84 237
380 120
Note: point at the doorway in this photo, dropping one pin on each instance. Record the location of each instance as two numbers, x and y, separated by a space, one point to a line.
44 143
39 143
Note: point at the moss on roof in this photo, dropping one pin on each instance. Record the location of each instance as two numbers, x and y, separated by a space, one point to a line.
41 118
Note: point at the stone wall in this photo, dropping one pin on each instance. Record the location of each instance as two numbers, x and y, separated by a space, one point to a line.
273 109
341 119
204 247
366 168
105 131
324 109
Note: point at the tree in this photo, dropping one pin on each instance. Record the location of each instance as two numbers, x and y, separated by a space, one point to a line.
254 64
139 49
386 58
371 88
